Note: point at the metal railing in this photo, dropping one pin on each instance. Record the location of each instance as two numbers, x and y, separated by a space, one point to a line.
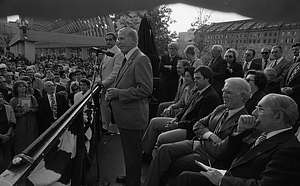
16 174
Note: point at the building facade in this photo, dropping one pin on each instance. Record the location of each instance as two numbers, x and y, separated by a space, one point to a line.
253 34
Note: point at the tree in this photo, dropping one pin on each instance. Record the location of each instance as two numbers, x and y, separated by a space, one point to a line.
199 26
160 18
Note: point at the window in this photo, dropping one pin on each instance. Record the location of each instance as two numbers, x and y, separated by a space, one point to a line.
281 40
274 40
254 40
249 40
258 41
275 34
266 34
269 41
283 33
270 34
288 33
265 40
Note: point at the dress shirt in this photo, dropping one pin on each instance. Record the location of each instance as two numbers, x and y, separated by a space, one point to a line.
275 132
127 56
49 99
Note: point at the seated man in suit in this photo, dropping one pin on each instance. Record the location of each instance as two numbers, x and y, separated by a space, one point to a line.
257 81
269 156
167 129
212 133
181 85
51 107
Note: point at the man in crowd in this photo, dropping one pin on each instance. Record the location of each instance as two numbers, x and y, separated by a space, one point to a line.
6 91
129 100
109 69
250 63
200 105
36 82
295 49
181 85
190 53
280 64
51 107
212 132
264 60
269 156
168 77
218 65
257 81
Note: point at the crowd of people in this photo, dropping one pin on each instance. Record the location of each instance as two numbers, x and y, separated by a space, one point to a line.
216 114
251 137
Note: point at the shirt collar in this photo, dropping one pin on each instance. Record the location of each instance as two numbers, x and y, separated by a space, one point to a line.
128 55
233 111
273 133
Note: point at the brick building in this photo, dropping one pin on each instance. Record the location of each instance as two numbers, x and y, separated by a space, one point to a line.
253 34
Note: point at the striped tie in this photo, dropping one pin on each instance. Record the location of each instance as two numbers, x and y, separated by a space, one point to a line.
260 139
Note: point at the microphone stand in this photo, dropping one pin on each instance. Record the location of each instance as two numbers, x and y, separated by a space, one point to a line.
96 180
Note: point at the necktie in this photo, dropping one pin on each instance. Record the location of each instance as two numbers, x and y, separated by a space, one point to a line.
260 139
295 71
295 59
275 63
53 107
123 62
266 63
222 120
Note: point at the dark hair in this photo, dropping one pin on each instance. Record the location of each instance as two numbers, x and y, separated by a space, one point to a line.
112 34
190 70
86 81
206 72
260 79
253 51
190 50
296 45
15 87
185 63
25 78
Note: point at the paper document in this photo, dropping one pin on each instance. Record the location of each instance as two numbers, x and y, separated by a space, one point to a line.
205 167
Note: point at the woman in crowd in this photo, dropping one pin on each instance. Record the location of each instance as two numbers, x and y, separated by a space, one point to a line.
234 69
25 106
175 108
272 86
32 91
7 124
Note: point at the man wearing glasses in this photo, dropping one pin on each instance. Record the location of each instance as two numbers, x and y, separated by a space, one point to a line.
280 64
109 69
264 60
269 156
249 62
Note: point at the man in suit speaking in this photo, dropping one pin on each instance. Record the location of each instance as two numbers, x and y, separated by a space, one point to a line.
129 100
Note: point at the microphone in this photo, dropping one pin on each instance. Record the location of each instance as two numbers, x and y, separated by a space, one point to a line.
99 50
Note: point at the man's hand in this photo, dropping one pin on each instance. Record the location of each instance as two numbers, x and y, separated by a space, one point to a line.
171 126
113 93
215 138
246 122
213 175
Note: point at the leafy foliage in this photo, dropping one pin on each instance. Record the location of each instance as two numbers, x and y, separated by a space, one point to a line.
160 18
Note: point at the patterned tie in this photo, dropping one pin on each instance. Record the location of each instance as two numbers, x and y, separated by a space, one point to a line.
260 139
266 63
295 71
222 120
53 106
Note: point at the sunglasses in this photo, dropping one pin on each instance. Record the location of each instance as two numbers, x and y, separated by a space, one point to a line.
264 53
108 39
227 56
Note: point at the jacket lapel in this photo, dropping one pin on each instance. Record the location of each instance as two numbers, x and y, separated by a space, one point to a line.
106 61
126 65
230 121
264 147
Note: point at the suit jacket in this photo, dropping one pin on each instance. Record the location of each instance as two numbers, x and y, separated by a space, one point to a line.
274 162
282 69
110 66
260 61
294 84
255 65
209 124
218 66
167 76
198 107
252 102
237 70
45 116
135 84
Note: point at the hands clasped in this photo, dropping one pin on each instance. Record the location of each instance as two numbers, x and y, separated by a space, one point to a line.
247 122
